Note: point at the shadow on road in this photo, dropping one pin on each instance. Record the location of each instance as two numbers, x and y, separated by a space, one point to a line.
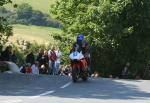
103 89
97 89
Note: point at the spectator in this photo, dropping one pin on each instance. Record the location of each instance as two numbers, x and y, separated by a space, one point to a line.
125 71
58 60
6 55
30 58
67 70
61 70
35 68
28 68
23 69
53 58
43 58
49 63
1 47
42 69
14 57
40 56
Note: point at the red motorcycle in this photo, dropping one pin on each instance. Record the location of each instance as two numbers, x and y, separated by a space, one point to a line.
79 70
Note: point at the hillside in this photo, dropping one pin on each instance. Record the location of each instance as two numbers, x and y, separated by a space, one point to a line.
34 33
41 5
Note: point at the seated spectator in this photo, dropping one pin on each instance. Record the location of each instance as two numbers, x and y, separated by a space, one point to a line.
43 70
67 70
28 68
23 69
35 68
6 54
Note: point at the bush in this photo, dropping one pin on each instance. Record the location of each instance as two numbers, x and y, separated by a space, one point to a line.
21 54
115 28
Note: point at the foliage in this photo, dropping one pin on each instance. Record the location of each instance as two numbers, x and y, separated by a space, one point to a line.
2 2
118 31
39 5
24 14
22 53
24 11
65 45
5 28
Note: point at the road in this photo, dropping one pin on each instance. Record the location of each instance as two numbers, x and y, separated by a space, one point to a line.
60 89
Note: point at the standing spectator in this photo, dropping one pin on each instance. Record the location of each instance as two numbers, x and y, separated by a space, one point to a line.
40 56
6 55
49 63
53 58
125 71
0 51
58 60
14 57
45 59
35 68
30 58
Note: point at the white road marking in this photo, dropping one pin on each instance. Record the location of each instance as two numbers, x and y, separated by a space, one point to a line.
49 92
33 97
12 101
43 94
66 85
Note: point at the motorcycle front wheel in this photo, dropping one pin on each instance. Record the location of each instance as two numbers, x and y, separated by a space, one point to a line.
74 75
84 76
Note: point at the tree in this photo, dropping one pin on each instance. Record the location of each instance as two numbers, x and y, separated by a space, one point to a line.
26 15
117 29
2 2
24 11
5 28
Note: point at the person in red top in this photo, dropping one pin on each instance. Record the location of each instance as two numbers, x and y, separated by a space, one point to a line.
28 68
53 59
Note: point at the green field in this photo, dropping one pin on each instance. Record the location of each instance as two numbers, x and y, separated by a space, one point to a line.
41 5
34 33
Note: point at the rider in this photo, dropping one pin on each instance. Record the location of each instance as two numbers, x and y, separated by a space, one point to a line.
82 43
83 47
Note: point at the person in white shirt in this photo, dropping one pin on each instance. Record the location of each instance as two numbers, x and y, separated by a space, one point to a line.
35 68
58 60
49 63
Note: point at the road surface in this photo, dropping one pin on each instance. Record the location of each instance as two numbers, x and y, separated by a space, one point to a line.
15 88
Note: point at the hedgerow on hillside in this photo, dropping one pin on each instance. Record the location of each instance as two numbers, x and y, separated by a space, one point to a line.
24 14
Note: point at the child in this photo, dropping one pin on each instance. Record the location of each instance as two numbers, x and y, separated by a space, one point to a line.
28 68
42 70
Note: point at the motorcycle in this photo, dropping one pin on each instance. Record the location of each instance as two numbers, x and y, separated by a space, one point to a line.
79 69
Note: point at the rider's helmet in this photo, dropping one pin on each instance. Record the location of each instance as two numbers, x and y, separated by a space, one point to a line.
80 37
